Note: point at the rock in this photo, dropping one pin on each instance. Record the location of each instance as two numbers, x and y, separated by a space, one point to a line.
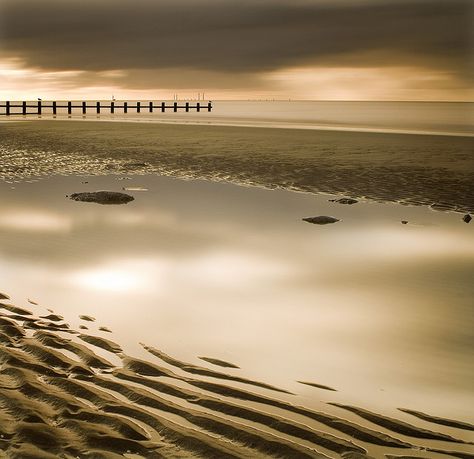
467 218
3 296
321 220
349 201
404 222
102 197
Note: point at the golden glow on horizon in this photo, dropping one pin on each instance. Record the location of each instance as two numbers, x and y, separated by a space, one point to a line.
370 83
304 83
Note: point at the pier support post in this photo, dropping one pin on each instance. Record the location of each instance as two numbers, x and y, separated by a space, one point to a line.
23 108
98 108
163 107
7 108
138 107
112 107
55 109
125 107
150 107
187 106
84 108
175 107
39 108
209 106
69 108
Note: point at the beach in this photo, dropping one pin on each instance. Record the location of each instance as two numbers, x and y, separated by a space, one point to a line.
203 315
236 229
239 329
407 168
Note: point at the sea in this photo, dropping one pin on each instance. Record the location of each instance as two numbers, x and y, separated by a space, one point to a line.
445 118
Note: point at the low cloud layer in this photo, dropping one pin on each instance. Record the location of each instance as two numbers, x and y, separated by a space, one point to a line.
214 39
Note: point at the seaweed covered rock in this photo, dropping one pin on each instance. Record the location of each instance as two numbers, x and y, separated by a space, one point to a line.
102 197
321 220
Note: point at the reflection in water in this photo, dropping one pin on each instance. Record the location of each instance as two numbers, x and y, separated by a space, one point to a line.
34 221
378 310
119 277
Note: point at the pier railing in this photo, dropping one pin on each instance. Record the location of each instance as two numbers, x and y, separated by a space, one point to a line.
40 107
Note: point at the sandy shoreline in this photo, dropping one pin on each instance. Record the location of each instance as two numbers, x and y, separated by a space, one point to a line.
411 169
184 260
60 396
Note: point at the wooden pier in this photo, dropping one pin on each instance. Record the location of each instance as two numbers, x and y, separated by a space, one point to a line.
83 108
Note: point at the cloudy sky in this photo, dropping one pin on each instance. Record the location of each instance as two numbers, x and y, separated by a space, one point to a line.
237 49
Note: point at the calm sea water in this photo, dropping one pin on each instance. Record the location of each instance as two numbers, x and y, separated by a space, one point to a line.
430 117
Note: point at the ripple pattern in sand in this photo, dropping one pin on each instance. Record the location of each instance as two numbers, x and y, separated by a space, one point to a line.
61 397
411 169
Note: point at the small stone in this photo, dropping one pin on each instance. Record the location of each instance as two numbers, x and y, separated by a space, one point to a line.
102 197
320 220
467 218
404 222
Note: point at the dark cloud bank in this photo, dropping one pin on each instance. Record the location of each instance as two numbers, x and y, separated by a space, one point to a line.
244 36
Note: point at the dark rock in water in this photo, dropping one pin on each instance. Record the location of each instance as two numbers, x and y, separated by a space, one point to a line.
3 296
467 218
404 222
320 220
349 201
102 197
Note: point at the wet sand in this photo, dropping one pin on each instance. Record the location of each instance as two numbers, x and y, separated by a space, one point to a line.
290 349
413 169
61 397
208 320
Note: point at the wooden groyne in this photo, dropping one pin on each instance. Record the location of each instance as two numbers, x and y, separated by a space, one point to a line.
40 107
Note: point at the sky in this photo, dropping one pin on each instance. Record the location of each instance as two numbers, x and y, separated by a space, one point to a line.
237 49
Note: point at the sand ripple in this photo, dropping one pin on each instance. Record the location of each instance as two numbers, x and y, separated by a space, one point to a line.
59 398
410 169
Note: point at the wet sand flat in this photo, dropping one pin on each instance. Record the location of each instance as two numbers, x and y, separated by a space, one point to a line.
415 169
